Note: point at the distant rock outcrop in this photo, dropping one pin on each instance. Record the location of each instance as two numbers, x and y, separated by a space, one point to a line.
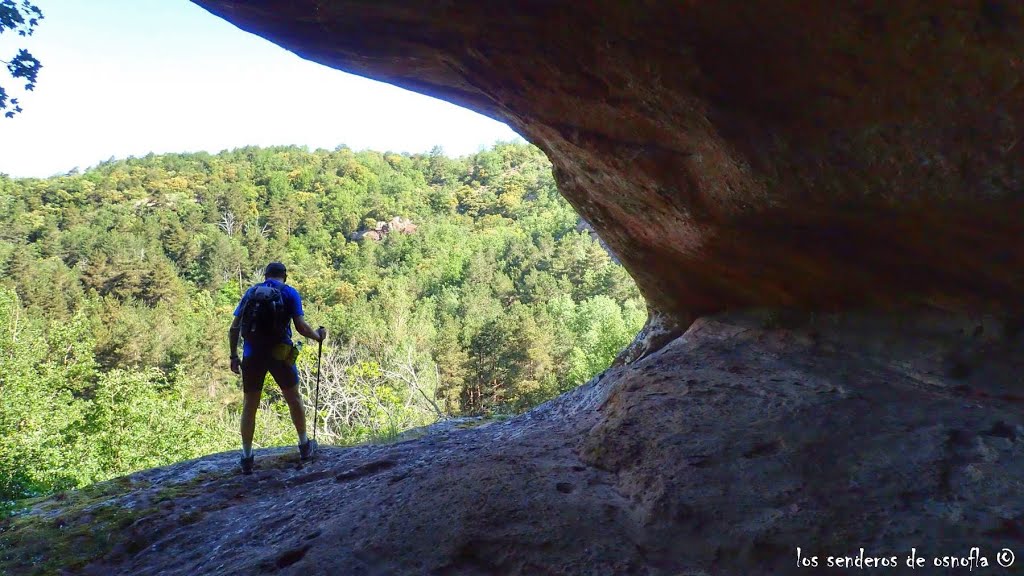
382 229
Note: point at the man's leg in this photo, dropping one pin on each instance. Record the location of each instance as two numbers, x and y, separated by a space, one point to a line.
296 409
253 373
250 405
287 377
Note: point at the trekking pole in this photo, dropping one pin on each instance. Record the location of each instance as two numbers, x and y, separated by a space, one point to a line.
316 401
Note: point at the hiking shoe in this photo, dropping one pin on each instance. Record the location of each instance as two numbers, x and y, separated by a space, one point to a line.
307 450
246 464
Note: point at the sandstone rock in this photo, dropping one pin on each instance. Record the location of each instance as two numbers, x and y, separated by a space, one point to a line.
398 224
736 153
719 454
365 235
382 229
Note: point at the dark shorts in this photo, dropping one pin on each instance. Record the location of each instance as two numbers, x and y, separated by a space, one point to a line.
255 368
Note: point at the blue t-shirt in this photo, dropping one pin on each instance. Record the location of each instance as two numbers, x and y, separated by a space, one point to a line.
292 304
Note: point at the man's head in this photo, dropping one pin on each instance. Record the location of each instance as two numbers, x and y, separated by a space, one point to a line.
277 271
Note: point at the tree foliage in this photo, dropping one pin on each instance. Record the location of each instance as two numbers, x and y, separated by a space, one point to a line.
22 19
118 286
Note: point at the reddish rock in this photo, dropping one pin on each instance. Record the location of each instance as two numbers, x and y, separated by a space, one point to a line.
733 154
719 454
736 153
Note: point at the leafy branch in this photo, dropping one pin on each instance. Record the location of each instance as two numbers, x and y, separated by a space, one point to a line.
22 19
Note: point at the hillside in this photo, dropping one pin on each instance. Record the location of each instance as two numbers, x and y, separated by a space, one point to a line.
119 283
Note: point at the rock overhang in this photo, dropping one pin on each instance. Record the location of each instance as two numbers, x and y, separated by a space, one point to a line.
736 154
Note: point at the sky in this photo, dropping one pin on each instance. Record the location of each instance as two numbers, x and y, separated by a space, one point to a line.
129 77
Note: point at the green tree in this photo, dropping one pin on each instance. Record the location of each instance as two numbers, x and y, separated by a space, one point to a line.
22 19
119 284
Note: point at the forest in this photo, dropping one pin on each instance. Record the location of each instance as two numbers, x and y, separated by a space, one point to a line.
449 287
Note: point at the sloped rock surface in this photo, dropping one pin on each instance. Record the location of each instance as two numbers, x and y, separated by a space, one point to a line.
736 153
719 454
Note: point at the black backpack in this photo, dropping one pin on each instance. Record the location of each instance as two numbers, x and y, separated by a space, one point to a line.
263 322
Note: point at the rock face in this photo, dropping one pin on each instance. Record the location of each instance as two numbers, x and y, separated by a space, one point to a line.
382 229
737 153
856 164
717 455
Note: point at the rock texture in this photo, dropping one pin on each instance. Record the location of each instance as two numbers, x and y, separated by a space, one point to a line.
717 455
736 153
381 229
844 156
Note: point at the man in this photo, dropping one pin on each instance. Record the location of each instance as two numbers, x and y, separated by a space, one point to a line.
275 356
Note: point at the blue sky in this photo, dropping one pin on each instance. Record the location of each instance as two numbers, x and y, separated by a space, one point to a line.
128 77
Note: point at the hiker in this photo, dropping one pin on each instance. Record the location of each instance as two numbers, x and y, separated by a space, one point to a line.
263 319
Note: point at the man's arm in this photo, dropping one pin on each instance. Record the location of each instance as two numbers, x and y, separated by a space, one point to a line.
233 338
306 330
233 345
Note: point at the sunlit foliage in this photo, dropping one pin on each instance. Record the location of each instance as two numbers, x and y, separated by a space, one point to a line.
118 286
